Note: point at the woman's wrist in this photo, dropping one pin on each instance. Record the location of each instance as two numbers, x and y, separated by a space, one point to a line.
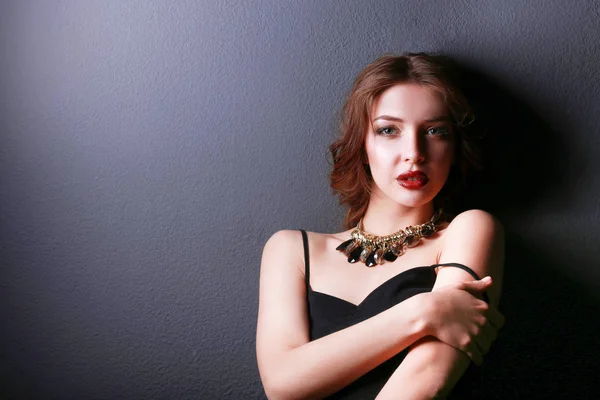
420 314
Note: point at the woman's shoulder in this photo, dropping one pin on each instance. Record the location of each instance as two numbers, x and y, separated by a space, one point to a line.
290 240
472 229
284 242
285 247
475 220
474 238
293 235
284 236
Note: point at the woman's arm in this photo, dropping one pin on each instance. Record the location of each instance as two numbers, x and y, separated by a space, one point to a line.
431 367
292 367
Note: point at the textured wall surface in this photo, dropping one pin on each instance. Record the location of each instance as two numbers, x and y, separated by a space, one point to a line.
149 148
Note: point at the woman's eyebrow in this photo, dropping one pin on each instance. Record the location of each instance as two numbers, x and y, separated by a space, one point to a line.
389 118
433 119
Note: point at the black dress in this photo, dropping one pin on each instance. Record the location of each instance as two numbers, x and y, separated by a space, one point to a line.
328 314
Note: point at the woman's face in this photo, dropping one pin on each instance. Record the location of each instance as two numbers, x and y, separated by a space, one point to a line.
410 131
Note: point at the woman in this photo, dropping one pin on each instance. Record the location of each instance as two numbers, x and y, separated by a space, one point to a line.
378 311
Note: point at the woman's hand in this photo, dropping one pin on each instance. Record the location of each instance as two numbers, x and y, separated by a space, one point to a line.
457 317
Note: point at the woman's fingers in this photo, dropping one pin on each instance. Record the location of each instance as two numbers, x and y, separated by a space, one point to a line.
490 332
495 318
484 342
479 347
474 353
475 287
481 342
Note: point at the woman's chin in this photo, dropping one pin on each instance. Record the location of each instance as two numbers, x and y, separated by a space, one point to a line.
413 201
407 197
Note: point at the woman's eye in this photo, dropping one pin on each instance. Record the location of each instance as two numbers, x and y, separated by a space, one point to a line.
438 131
386 131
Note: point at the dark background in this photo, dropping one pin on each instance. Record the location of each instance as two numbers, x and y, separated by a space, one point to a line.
148 149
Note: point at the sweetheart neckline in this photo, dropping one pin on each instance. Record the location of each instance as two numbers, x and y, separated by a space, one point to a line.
371 293
432 266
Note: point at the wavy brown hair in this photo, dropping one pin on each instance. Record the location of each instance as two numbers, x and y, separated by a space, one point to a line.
351 177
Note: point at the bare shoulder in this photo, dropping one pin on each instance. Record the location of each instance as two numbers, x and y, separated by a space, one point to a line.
287 244
481 221
474 234
284 245
284 237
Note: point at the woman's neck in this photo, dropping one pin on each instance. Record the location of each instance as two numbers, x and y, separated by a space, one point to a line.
386 217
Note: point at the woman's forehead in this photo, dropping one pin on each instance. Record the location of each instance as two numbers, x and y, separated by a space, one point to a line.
410 101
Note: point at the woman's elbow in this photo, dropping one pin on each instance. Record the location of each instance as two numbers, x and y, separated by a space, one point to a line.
280 385
275 390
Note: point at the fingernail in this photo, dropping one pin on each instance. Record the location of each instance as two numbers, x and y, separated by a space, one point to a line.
487 279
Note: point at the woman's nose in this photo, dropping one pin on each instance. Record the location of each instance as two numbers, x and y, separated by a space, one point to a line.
413 149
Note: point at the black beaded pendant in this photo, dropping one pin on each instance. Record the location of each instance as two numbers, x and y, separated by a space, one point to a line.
343 246
370 261
355 255
389 256
427 230
350 248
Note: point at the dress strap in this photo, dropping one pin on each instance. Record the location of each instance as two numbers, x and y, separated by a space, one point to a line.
306 261
464 268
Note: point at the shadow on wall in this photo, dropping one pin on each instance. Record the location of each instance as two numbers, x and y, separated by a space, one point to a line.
524 159
547 348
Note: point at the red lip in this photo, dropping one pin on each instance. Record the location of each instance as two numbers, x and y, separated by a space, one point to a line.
417 180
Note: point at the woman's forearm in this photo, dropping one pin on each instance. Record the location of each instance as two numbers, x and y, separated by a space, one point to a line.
326 365
430 372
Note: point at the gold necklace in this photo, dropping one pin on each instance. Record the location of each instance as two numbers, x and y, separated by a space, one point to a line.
373 250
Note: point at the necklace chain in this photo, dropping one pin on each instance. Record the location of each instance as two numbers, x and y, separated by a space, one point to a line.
372 249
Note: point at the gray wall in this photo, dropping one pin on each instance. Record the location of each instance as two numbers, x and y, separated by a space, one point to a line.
148 149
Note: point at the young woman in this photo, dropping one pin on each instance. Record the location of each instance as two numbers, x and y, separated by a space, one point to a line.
393 307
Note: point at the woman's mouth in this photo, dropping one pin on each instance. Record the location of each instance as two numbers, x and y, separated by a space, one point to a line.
412 179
